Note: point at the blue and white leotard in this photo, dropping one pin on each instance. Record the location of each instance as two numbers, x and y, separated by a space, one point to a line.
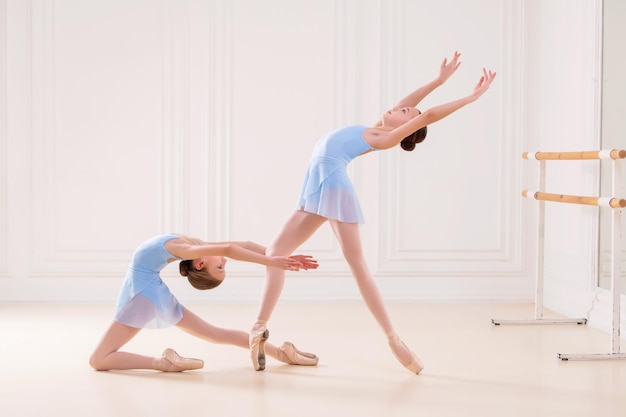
144 300
327 189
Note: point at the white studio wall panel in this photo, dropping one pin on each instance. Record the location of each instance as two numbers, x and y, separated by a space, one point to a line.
97 131
613 126
98 141
131 118
3 141
16 174
456 209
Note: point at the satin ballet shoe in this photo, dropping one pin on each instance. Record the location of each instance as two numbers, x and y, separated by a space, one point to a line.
288 353
258 337
170 357
415 365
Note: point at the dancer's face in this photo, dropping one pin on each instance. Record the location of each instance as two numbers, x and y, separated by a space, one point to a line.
399 116
214 265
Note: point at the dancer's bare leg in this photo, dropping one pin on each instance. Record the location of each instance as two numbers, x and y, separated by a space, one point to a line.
196 326
350 241
297 230
107 356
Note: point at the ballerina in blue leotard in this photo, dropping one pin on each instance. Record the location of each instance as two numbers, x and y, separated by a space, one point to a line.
328 195
146 302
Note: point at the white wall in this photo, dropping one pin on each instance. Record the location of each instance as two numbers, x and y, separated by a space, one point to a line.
129 118
613 128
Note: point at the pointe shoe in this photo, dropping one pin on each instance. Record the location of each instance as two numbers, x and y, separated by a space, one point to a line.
258 337
415 365
184 364
288 353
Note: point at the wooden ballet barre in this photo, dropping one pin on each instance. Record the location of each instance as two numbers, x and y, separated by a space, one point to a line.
572 156
575 199
615 155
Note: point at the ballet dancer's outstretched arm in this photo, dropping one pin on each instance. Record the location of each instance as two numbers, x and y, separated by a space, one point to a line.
307 261
192 248
385 136
446 69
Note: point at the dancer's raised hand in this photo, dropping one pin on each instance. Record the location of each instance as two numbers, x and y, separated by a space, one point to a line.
484 83
448 68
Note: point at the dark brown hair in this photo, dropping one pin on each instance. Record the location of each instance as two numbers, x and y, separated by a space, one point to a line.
408 143
199 279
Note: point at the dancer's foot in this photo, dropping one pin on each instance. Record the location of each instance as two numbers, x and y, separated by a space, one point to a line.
288 353
258 337
171 361
403 354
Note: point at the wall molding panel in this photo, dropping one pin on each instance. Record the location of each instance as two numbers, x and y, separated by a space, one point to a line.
216 147
175 121
500 255
54 257
4 157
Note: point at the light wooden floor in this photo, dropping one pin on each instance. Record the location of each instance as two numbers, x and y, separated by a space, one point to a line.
472 367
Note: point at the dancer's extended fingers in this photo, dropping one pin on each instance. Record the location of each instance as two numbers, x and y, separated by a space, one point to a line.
311 265
307 261
284 263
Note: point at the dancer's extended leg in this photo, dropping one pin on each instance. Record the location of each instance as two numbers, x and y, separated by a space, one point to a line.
297 230
350 241
196 326
349 238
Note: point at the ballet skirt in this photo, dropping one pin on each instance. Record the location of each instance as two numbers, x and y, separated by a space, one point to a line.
144 300
327 190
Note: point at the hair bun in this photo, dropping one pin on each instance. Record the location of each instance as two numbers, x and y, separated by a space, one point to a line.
407 145
183 268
